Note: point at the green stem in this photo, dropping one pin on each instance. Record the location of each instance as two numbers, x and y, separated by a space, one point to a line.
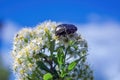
66 49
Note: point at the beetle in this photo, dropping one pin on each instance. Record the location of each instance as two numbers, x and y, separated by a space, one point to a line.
65 29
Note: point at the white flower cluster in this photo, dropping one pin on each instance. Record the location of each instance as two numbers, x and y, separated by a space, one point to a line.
33 45
27 43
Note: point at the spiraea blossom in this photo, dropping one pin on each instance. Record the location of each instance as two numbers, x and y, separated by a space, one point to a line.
39 54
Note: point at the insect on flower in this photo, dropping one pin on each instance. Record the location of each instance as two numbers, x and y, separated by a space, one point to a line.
65 29
17 35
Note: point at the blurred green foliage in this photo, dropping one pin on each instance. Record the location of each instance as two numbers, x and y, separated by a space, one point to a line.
4 72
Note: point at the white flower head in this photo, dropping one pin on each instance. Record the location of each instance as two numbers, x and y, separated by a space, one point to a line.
33 48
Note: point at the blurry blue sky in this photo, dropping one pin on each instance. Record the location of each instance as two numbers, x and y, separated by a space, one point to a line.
97 20
30 12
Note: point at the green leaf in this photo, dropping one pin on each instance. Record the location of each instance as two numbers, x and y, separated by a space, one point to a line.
69 79
43 66
71 43
55 59
76 47
63 74
47 76
52 45
42 55
60 56
72 65
26 40
63 47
